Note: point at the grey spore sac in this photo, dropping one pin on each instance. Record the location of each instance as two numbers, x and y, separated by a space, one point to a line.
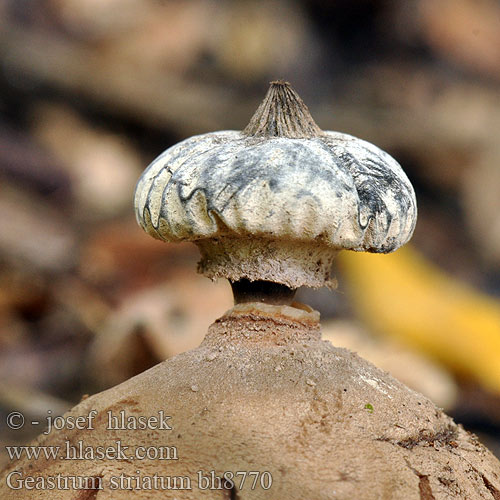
300 193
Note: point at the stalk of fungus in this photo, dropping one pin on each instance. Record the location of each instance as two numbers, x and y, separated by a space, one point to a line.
263 397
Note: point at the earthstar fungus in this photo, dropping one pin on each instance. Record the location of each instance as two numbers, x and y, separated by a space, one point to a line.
269 208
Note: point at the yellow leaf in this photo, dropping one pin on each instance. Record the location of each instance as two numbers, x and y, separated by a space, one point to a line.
408 298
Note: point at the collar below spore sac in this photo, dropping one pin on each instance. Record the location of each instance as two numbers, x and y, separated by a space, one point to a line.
282 113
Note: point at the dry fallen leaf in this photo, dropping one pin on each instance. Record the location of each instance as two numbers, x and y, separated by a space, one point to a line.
103 166
464 31
155 324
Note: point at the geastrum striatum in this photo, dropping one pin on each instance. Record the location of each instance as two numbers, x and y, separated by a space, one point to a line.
263 397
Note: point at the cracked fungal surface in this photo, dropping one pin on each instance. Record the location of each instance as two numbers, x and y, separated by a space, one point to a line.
271 395
280 180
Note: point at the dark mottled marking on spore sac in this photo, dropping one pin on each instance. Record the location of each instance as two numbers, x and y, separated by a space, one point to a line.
370 182
227 166
373 179
297 159
177 181
169 157
250 168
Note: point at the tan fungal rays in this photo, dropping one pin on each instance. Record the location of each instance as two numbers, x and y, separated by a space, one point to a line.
264 395
281 191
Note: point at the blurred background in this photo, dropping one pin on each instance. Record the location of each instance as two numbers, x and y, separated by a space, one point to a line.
92 90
